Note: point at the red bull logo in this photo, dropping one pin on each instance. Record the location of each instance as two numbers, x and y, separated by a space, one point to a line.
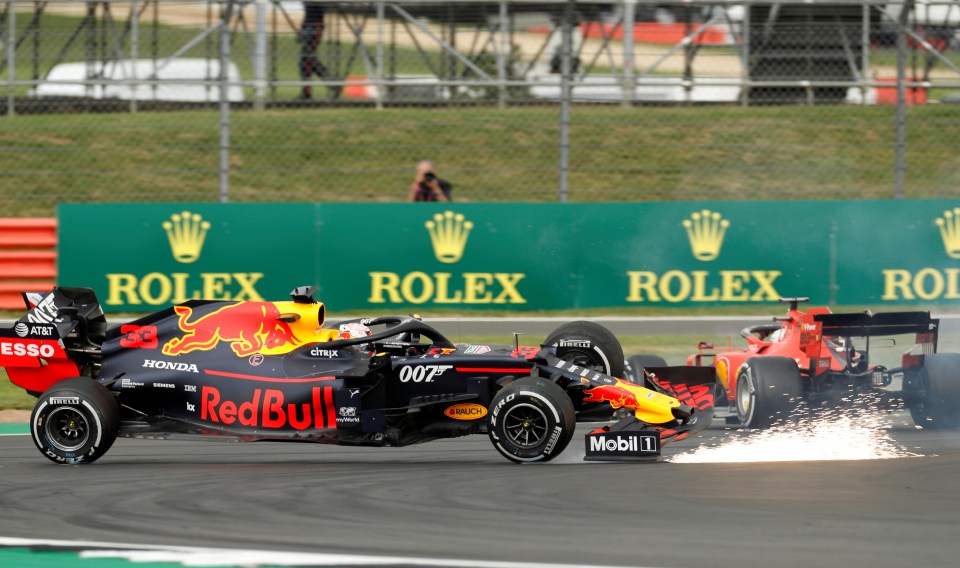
647 405
616 395
268 409
249 328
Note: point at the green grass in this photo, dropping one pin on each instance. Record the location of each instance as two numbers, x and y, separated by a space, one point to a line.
12 396
357 154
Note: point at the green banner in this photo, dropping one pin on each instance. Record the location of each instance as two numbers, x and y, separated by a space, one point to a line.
516 256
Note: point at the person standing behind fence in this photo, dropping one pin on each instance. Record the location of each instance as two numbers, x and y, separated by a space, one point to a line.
310 35
427 186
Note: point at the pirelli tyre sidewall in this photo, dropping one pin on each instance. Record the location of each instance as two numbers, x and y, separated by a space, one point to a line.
531 420
637 363
589 345
75 421
940 407
769 391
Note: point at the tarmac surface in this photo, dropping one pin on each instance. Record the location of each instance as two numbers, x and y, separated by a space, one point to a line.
458 499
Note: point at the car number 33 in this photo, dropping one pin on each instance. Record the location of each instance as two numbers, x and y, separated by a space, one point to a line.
422 373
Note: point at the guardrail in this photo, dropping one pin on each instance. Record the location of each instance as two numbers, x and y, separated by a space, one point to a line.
28 257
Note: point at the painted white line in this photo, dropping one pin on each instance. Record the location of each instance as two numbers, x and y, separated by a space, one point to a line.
201 556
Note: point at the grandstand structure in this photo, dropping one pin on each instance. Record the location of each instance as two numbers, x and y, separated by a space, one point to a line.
528 100
506 52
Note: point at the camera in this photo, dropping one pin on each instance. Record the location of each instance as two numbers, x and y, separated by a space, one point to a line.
429 176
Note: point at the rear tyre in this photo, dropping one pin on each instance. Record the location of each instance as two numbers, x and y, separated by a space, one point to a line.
531 420
769 391
940 407
588 345
75 421
637 363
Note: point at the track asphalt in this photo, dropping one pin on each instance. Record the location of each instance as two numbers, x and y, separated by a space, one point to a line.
459 503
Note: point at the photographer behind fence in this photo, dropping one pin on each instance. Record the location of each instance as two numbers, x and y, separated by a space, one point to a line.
427 186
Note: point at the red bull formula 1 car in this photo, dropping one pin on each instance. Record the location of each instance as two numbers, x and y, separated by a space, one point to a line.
270 371
822 359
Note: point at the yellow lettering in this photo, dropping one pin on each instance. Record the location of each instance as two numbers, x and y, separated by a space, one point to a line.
443 289
475 287
731 281
665 287
676 286
146 288
924 292
247 282
765 289
406 287
120 286
640 282
381 282
700 288
895 281
420 287
179 287
508 282
953 274
213 285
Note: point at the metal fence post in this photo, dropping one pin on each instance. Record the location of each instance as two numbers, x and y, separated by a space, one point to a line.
502 55
900 144
134 53
745 56
260 56
381 88
566 49
225 102
11 46
629 72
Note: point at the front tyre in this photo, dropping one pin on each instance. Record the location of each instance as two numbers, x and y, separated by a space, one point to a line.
940 406
637 363
531 420
588 345
769 391
75 421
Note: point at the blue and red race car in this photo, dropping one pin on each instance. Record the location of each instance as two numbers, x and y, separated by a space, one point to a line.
270 371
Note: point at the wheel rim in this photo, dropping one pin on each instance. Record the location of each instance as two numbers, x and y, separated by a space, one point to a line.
746 398
525 425
586 359
67 429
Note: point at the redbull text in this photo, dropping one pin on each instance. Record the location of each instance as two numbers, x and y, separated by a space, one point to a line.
267 409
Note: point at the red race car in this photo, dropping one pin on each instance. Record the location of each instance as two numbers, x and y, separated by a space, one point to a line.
825 359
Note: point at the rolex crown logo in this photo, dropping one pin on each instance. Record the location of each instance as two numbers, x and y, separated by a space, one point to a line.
950 231
706 229
448 233
186 232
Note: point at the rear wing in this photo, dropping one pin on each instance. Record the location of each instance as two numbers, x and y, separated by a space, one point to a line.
868 325
60 328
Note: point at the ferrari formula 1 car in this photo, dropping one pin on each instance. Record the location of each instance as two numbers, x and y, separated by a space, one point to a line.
824 359
269 371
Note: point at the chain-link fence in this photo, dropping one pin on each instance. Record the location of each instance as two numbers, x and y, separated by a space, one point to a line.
263 100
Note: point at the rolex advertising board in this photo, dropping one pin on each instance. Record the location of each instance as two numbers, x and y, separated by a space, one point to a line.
515 256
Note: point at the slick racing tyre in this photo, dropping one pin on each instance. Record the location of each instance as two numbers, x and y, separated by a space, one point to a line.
588 345
75 421
637 363
769 391
531 420
940 407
